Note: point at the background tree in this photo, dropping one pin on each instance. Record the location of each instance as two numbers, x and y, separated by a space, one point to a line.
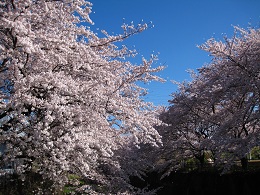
187 126
235 91
68 95
219 109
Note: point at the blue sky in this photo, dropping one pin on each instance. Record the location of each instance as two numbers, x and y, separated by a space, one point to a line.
179 26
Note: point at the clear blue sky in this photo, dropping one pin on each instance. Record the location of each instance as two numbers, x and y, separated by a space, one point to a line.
179 26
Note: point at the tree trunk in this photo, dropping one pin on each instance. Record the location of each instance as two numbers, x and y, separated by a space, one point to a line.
244 163
201 159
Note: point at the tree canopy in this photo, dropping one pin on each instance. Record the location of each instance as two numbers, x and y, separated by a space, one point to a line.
219 109
71 106
68 97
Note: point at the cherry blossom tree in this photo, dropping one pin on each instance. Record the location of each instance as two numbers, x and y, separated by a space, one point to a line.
68 97
219 109
234 91
187 126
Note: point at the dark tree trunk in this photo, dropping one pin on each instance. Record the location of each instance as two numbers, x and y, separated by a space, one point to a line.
201 158
244 163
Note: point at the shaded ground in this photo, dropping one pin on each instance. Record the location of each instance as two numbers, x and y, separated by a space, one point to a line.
205 182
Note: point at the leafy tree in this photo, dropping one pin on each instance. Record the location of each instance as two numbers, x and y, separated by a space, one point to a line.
255 153
68 96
